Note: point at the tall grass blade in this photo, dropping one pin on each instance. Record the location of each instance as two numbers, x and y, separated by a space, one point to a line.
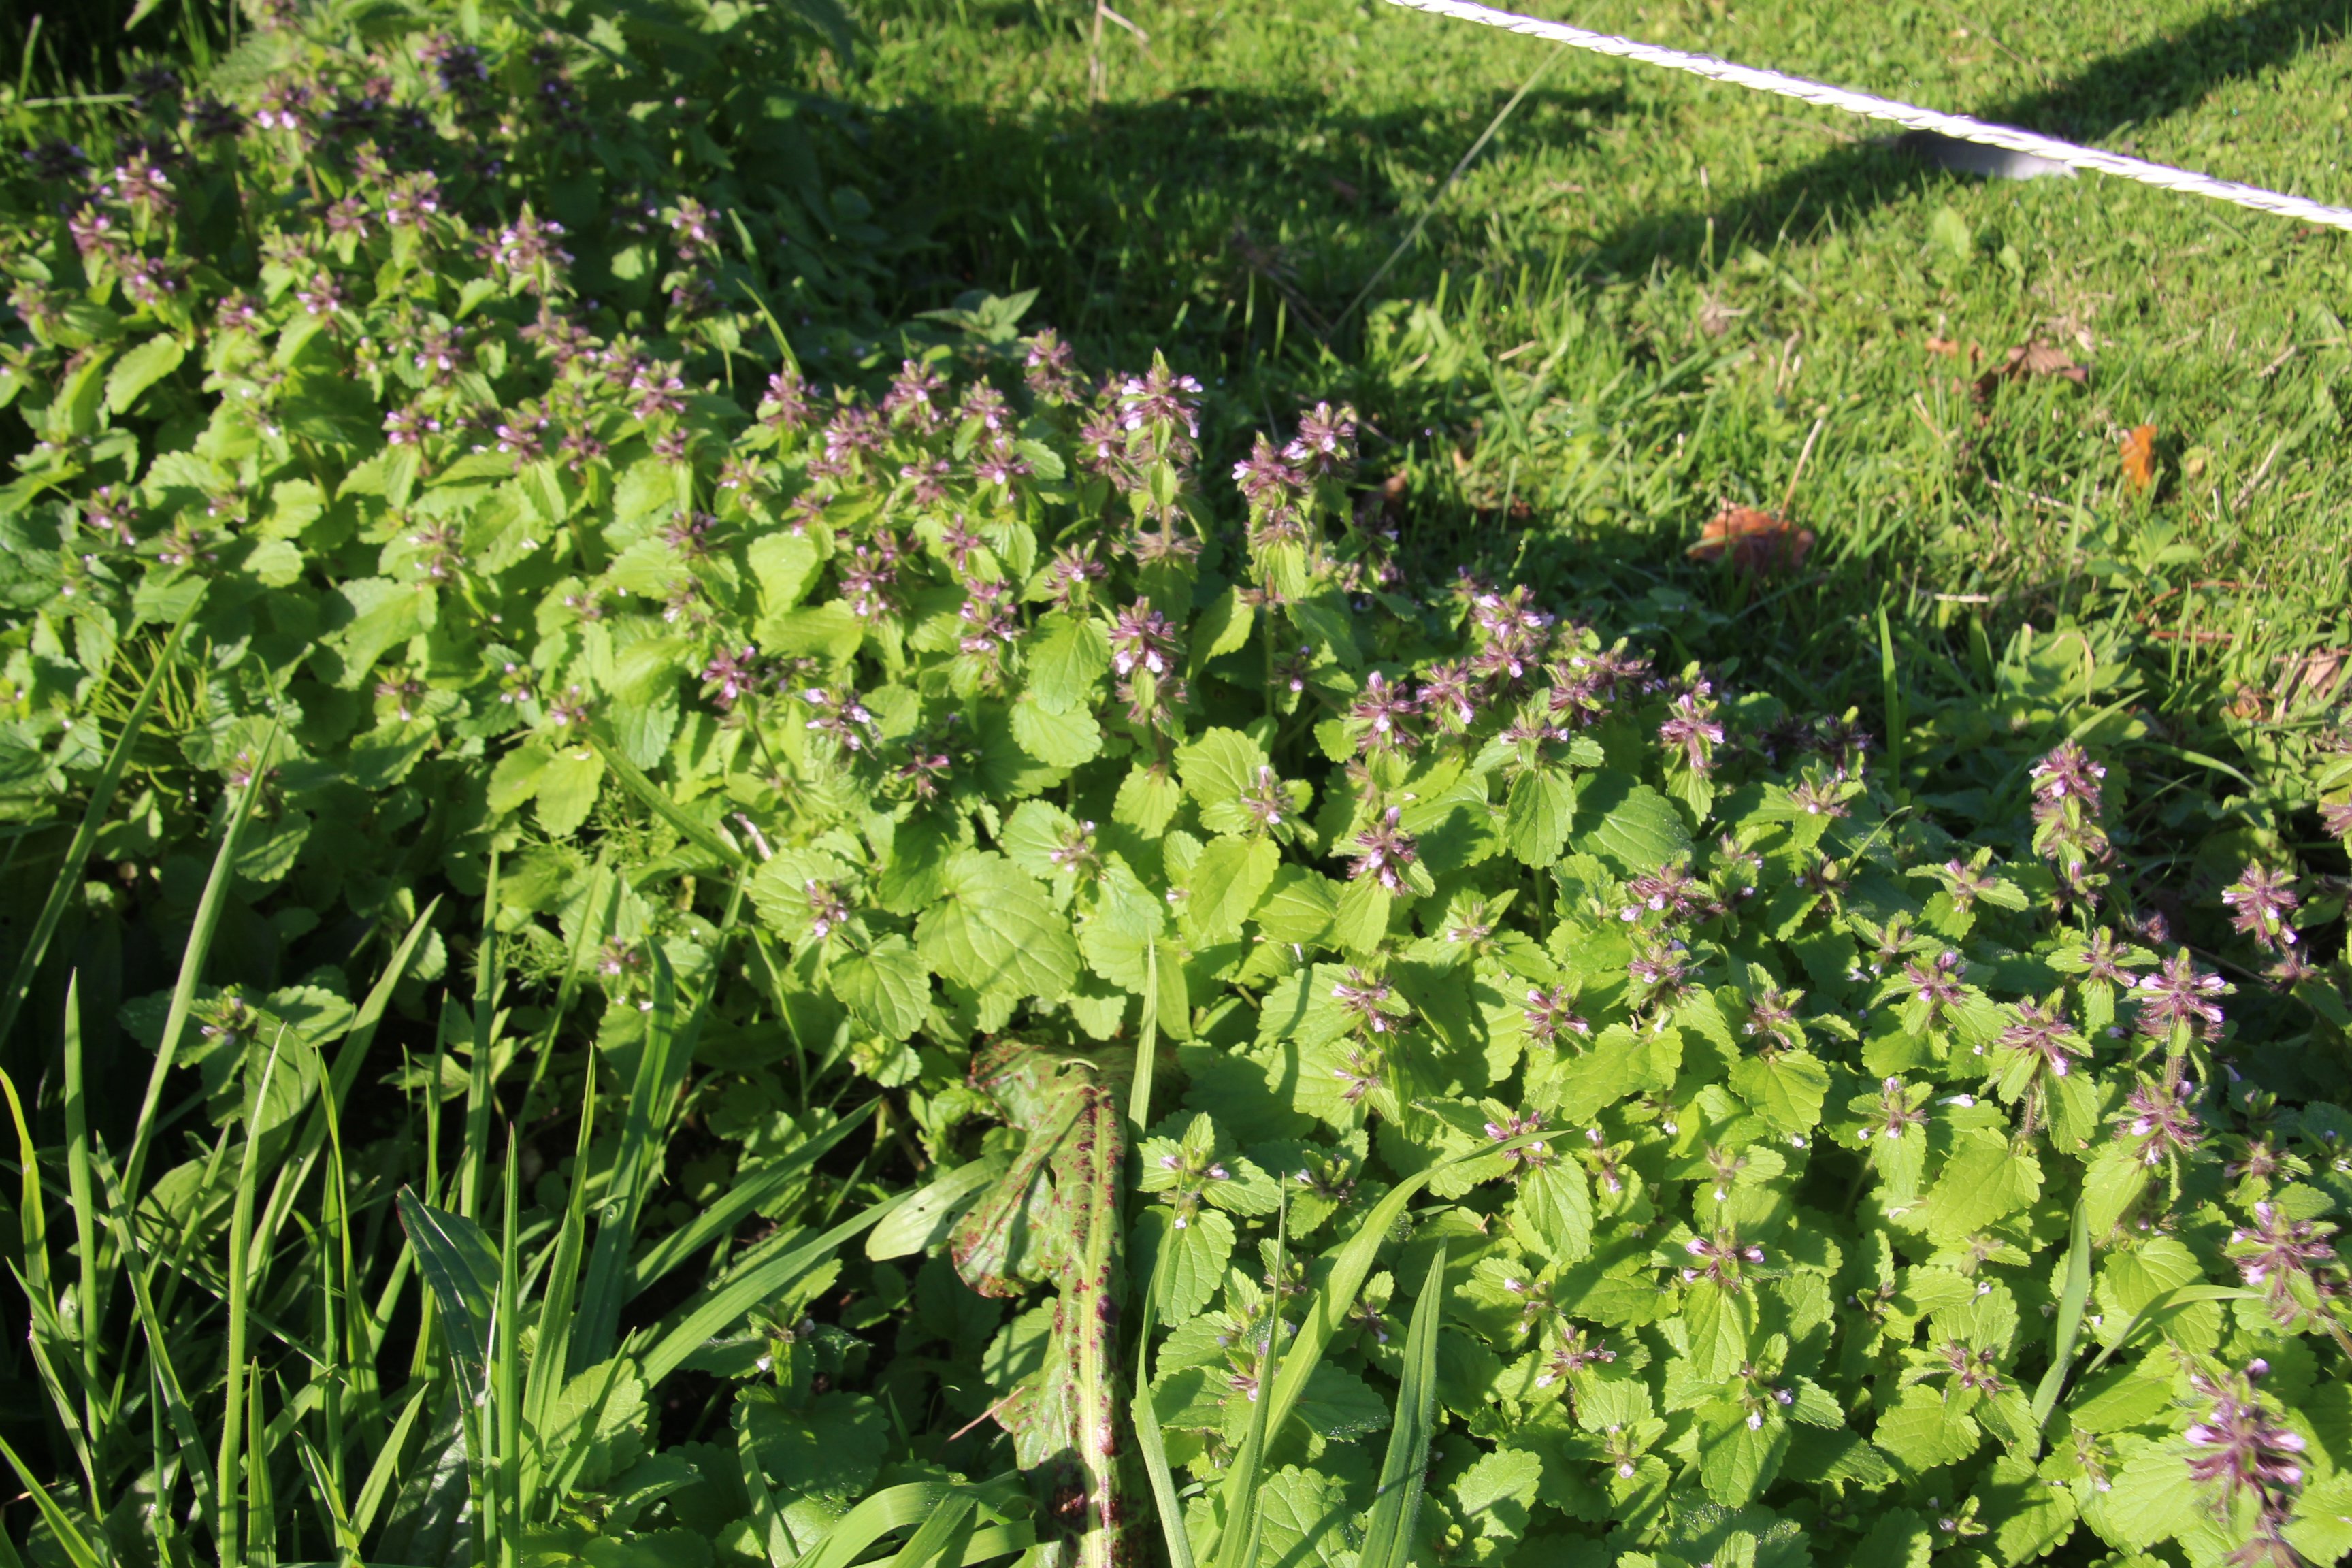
1437 197
934 1537
1396 1506
552 1352
721 1307
657 801
461 1269
93 817
85 1207
1148 1435
1244 1521
385 1471
893 1508
192 964
78 1551
2071 1299
350 1057
1352 1265
742 1201
597 1323
507 1328
240 1272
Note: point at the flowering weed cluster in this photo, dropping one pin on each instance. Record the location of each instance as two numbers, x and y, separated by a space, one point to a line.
1786 1175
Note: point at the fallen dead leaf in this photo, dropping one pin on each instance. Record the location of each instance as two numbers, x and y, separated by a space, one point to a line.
2039 357
1714 318
2313 677
2140 456
1944 346
1758 541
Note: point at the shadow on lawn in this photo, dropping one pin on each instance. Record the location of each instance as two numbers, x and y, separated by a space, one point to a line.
1181 199
2111 94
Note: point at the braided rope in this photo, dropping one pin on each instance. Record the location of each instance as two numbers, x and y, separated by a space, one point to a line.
1957 126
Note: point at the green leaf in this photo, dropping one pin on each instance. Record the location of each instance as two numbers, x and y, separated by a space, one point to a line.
1227 881
1736 1460
994 929
1923 1432
1199 1252
1985 1180
141 368
2148 1499
1787 1090
1068 657
2112 1187
1541 809
1223 627
923 1221
1064 740
1719 1323
887 986
1639 830
568 786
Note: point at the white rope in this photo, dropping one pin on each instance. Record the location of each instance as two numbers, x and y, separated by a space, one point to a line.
1957 126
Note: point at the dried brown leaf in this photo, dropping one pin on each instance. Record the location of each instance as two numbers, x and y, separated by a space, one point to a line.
1758 541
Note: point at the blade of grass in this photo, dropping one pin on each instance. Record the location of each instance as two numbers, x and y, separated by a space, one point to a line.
33 1276
658 802
1890 679
1396 1505
350 1057
177 1410
2164 1303
481 1078
552 1352
597 1322
85 1210
78 1551
240 1235
1429 209
893 1508
508 1328
1148 1435
2071 1299
721 1307
93 817
1352 1264
192 962
1244 1521
935 1534
387 1466
742 1201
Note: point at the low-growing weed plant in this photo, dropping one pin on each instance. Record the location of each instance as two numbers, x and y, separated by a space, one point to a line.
638 951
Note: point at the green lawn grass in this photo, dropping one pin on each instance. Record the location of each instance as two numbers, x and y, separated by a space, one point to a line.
1638 302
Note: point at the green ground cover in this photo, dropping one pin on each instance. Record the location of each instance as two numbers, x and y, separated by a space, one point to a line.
675 893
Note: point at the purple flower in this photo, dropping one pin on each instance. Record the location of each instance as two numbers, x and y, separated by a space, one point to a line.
2044 1032
1366 998
2280 1254
2179 995
2068 772
2239 1447
840 715
1160 397
1326 442
1383 851
1549 1012
1263 474
2262 899
730 675
1692 728
1381 708
1047 367
1142 637
786 404
909 401
2159 1115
